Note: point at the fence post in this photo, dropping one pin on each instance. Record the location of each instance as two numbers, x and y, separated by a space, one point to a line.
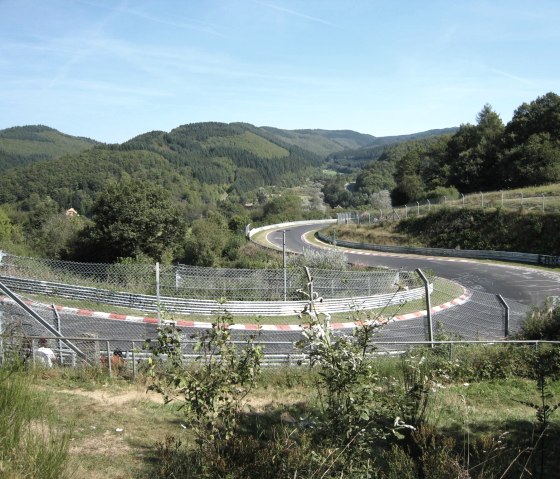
506 316
542 201
157 295
133 353
59 329
417 208
1 332
428 306
284 262
502 199
109 360
463 196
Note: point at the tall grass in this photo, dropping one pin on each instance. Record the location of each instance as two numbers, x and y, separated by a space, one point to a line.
30 444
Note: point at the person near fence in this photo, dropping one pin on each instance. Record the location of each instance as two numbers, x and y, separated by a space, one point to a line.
117 361
44 354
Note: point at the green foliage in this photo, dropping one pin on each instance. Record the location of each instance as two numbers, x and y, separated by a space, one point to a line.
331 259
132 218
542 323
206 241
31 446
58 235
282 208
23 145
213 388
485 156
352 408
486 230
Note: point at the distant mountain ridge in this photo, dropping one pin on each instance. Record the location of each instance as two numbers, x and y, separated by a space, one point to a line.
197 162
323 142
21 145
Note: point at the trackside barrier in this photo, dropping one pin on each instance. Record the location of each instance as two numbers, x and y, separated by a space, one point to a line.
131 355
209 307
251 232
457 253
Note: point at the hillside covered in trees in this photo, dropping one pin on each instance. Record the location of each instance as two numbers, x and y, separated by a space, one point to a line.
214 178
488 155
21 145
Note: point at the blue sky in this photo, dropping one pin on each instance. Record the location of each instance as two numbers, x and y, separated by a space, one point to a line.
110 70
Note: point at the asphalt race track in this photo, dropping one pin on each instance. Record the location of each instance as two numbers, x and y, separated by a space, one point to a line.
479 318
522 284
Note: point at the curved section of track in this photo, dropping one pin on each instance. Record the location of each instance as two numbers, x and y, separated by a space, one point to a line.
525 285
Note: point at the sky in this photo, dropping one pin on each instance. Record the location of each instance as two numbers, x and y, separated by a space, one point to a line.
112 69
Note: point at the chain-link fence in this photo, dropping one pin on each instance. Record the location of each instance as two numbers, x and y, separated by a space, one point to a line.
512 200
99 280
77 338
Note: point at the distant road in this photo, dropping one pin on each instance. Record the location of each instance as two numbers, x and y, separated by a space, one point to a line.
523 284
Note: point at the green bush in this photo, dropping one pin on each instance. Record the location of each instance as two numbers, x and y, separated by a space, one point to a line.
542 324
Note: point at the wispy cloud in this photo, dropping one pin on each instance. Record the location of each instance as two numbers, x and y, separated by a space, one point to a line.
510 76
177 23
296 14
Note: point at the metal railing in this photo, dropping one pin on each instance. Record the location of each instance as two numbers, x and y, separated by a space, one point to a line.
128 357
457 253
196 290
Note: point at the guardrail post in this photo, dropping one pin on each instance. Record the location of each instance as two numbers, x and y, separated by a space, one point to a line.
109 359
284 262
428 306
59 329
157 294
1 334
133 353
506 315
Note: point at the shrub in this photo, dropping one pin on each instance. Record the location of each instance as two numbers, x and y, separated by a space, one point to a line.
542 323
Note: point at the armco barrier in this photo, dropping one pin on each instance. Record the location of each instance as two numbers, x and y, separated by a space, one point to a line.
457 253
207 307
279 226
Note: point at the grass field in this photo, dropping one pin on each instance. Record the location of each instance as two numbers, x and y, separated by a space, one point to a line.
115 425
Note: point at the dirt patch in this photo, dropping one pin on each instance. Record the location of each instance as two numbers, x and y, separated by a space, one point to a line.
116 398
109 444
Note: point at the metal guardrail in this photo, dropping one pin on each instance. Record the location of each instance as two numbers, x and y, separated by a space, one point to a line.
207 307
251 232
132 356
457 253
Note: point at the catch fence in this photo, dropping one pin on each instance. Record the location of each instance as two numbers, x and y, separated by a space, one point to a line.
508 200
196 290
78 338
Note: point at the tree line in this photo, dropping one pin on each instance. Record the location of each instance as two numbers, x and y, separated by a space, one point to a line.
488 155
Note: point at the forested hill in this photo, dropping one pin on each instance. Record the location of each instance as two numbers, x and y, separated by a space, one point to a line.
21 145
374 150
198 163
238 155
323 142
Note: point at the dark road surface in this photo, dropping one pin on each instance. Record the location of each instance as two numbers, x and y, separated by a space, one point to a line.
521 284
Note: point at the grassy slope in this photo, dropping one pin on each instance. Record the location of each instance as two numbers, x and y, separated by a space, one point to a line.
518 201
96 406
250 142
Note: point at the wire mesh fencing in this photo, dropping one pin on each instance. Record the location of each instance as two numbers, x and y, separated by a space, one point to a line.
126 284
512 200
77 338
